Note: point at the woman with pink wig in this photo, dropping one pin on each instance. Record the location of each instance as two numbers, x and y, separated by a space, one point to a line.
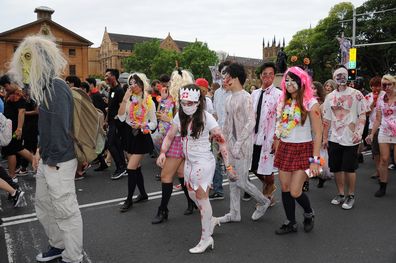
298 137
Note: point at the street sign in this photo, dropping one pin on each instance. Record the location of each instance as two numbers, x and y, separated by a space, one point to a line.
352 58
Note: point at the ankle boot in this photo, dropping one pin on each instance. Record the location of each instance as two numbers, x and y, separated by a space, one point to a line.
190 207
162 215
381 192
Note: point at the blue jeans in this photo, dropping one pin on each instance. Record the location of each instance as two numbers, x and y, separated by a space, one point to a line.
218 176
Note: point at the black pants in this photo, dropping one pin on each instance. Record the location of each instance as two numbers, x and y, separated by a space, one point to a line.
114 137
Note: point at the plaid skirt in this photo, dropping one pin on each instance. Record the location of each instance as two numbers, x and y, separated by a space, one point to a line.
291 157
175 149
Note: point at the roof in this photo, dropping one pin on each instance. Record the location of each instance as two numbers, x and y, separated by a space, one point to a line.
125 42
50 22
249 62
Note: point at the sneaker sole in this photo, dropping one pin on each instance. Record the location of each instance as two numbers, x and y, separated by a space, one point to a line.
46 259
19 199
216 198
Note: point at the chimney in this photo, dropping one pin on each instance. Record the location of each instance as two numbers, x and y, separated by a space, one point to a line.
44 12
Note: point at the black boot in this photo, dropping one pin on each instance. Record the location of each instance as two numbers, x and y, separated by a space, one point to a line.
131 189
190 207
321 182
381 192
126 205
162 215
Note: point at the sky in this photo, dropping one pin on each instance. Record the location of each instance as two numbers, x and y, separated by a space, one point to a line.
234 26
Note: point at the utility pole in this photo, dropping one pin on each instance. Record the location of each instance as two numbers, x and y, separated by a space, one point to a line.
354 27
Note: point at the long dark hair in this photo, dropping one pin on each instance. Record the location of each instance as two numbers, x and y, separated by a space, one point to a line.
299 98
197 119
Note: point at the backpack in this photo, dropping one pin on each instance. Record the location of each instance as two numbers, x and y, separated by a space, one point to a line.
5 130
87 133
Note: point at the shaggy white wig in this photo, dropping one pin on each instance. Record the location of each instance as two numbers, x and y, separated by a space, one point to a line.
179 78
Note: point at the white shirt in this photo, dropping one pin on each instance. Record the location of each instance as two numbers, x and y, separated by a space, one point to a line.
219 101
209 105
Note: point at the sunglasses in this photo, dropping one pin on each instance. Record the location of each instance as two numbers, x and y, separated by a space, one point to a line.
387 85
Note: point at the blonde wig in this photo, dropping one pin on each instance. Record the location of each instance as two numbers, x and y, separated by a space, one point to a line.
390 78
46 61
179 78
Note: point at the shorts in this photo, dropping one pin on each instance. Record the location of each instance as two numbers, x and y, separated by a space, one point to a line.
12 148
291 157
343 158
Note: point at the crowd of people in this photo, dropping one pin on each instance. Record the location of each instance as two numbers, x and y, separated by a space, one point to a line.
200 132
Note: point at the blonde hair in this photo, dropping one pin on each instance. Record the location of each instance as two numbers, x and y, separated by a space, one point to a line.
47 62
179 78
390 78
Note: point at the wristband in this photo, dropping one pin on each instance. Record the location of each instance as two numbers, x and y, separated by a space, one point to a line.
314 159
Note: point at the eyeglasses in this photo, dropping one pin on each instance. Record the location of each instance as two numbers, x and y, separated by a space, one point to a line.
387 85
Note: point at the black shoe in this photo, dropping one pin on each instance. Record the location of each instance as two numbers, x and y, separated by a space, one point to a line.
140 198
17 198
305 187
190 208
286 229
246 197
101 167
308 222
162 215
126 206
321 182
117 174
216 196
382 191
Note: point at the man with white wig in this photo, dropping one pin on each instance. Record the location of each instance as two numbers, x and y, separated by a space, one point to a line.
38 62
344 113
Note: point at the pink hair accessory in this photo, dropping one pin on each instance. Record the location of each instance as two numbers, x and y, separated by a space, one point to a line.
306 84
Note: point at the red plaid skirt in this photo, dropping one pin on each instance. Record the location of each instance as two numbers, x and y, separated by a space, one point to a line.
176 148
291 157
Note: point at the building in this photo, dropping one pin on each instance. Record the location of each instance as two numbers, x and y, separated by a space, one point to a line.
270 52
74 46
115 47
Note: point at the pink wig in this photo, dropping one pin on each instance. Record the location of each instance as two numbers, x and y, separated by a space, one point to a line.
306 83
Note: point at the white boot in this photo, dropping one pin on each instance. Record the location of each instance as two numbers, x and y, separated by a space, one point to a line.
202 246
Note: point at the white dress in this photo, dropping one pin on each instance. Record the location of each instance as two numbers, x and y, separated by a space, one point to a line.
199 165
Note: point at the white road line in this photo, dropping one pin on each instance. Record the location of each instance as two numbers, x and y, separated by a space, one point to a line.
9 245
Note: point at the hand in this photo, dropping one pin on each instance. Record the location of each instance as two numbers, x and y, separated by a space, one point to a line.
356 137
314 169
231 173
127 94
161 160
135 125
236 151
18 133
325 143
36 159
369 139
274 146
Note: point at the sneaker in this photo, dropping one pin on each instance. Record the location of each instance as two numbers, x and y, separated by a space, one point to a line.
391 166
216 196
22 172
51 254
338 200
117 174
246 197
228 218
286 228
349 202
17 198
15 179
308 222
177 187
260 211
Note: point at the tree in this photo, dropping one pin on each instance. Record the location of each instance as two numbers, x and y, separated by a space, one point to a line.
197 58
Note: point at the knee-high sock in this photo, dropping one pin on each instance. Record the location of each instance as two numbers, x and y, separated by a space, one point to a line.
140 181
303 200
289 205
206 216
181 180
131 183
166 195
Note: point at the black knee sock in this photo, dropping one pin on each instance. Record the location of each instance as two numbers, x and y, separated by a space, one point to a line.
185 190
140 182
289 205
166 195
131 183
303 200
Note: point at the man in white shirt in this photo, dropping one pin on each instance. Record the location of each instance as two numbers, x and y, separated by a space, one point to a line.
265 101
344 113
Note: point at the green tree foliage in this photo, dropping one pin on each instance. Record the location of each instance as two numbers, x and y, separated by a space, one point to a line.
320 43
149 58
197 58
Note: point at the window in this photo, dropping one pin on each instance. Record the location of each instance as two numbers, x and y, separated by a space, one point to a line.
72 52
72 70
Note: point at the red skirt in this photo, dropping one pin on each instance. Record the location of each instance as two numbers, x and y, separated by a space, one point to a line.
291 157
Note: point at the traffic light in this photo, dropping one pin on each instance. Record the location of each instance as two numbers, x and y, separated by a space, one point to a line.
352 74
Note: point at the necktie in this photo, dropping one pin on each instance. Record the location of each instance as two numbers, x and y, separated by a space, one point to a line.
258 112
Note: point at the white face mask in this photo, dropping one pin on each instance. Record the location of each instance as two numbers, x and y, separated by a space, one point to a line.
190 110
341 79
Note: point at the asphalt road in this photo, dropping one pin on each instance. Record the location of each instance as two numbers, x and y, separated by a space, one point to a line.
367 233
